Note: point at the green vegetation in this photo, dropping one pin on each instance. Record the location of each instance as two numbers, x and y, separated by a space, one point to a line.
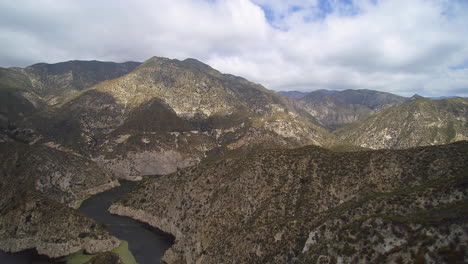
124 253
79 258
79 202
122 250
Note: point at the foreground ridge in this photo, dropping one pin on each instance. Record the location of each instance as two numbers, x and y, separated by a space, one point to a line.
275 206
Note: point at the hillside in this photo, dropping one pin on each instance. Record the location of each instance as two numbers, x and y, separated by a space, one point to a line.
39 185
16 104
54 83
418 122
343 107
168 114
239 183
26 91
282 206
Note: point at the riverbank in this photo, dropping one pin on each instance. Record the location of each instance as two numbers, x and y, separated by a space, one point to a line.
141 243
146 244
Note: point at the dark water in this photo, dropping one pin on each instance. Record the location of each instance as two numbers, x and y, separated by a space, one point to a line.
25 257
146 244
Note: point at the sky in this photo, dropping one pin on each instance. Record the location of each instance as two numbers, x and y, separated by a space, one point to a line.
400 46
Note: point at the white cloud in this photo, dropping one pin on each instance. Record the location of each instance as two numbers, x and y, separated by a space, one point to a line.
398 46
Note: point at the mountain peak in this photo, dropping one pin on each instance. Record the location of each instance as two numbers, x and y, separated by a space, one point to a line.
155 60
416 97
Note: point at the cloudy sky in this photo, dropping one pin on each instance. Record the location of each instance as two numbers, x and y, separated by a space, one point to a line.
399 46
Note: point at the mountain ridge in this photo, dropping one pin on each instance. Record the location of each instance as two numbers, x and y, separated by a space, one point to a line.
232 150
343 107
257 208
237 115
421 121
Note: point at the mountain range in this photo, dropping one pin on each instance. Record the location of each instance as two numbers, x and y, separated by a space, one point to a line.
338 108
251 175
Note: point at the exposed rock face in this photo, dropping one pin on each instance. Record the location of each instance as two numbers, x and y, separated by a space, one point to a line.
419 122
161 159
37 183
62 176
338 108
55 230
262 207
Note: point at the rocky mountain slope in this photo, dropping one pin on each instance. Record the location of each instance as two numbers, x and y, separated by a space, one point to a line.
16 104
420 224
25 91
343 107
56 82
286 206
168 114
39 185
417 123
69 130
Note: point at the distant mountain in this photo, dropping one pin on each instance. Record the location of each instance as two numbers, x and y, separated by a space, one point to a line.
311 205
446 97
29 90
325 91
418 122
299 94
293 94
168 114
338 108
56 82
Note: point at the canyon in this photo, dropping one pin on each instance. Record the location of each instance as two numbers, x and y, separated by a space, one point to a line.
249 175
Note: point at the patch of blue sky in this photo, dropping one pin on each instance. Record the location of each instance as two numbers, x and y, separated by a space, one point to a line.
269 13
314 13
327 7
454 8
460 66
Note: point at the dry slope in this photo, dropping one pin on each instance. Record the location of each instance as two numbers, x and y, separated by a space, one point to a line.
420 122
39 184
262 207
168 114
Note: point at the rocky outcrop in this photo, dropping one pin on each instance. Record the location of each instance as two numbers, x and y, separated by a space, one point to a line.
262 207
62 176
39 185
55 230
419 122
133 154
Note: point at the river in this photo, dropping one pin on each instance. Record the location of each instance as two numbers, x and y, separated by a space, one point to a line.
146 244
